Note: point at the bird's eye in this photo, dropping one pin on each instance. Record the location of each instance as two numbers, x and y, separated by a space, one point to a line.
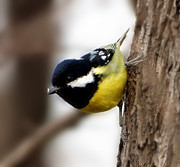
69 78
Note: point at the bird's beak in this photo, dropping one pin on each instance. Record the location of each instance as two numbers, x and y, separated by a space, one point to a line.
120 41
53 90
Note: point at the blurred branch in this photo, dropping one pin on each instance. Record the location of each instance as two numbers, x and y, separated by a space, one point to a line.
39 138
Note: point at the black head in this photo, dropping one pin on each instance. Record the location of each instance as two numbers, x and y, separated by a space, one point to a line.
74 80
69 70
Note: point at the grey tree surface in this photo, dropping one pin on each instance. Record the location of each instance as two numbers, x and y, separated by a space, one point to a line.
152 116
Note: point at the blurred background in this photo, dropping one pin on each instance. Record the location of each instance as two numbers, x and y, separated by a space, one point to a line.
34 37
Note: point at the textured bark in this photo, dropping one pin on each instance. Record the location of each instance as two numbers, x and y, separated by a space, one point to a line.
152 115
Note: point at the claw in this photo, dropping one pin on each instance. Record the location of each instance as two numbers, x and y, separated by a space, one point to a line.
135 61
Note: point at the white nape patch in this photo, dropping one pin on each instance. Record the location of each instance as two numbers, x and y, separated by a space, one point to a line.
101 53
83 81
103 57
109 55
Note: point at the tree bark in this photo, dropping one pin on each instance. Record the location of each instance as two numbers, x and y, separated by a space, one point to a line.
152 114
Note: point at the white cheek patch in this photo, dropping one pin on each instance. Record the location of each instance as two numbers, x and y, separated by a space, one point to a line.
83 81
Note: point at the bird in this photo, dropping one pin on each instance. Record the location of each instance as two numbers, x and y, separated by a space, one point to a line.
94 83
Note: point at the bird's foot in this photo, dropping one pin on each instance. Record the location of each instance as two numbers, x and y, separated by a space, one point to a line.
135 61
122 124
121 112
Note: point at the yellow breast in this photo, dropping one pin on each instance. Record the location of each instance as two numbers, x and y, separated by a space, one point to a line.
111 87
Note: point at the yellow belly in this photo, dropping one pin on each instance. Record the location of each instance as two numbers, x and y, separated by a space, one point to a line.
109 93
111 89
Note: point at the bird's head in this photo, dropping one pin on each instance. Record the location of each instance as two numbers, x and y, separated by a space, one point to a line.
68 71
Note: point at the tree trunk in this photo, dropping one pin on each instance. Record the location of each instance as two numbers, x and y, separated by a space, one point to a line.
152 114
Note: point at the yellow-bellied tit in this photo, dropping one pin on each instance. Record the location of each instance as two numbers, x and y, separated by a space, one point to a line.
95 82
